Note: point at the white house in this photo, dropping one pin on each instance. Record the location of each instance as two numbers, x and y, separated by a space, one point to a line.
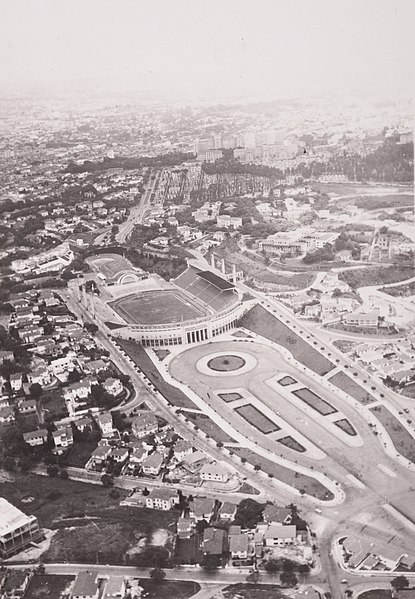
105 424
63 437
162 499
113 386
280 535
153 463
34 438
214 472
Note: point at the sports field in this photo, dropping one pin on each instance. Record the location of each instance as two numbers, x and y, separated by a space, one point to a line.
157 307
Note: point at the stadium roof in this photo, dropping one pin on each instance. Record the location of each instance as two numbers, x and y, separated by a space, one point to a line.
215 280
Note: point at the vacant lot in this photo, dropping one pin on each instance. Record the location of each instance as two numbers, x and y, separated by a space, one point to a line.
209 427
230 396
314 401
173 589
299 481
188 550
402 440
376 594
346 427
54 404
252 591
79 453
349 386
138 355
263 323
46 586
90 525
257 419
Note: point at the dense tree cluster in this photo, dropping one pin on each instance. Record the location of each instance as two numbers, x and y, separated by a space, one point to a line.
128 163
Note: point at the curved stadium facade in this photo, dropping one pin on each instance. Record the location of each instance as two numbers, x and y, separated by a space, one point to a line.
198 307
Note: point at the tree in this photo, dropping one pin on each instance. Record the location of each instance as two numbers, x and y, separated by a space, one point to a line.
52 470
288 578
399 583
35 391
64 474
272 566
157 575
91 327
107 480
9 464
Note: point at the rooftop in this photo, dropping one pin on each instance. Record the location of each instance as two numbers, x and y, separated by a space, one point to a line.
11 517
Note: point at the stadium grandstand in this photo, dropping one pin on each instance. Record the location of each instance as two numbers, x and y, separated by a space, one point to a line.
206 286
198 305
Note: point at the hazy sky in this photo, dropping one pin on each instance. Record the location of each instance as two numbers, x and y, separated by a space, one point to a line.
211 46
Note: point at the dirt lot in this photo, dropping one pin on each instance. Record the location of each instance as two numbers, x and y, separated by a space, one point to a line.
263 323
89 523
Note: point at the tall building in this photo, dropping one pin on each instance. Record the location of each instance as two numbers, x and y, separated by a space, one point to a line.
17 530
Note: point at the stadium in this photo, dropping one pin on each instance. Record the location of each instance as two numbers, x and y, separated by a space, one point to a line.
198 305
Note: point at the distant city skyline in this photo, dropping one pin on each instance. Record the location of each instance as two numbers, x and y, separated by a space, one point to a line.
207 49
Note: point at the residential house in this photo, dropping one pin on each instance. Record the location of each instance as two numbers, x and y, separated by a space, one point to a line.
227 511
182 449
6 356
214 542
7 415
144 424
137 457
27 406
39 375
238 545
15 584
113 386
279 535
16 382
84 424
114 588
30 334
86 586
153 463
214 472
63 438
162 499
34 438
361 320
99 455
185 527
202 508
105 424
273 514
119 455
95 366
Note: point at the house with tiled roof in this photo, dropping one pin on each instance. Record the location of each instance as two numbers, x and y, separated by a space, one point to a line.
162 499
153 463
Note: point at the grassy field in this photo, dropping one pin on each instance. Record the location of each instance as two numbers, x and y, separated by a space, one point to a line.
89 523
138 355
349 386
314 401
47 586
263 323
79 453
299 481
252 591
158 307
384 201
227 397
173 589
209 427
377 275
286 380
402 440
409 390
376 594
54 404
292 444
346 427
257 419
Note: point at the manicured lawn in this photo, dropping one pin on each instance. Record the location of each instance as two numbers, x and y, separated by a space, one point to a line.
226 363
209 427
257 419
158 307
252 591
287 380
91 526
314 401
230 396
346 427
174 396
349 386
47 586
376 594
262 322
402 440
171 589
292 444
294 479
